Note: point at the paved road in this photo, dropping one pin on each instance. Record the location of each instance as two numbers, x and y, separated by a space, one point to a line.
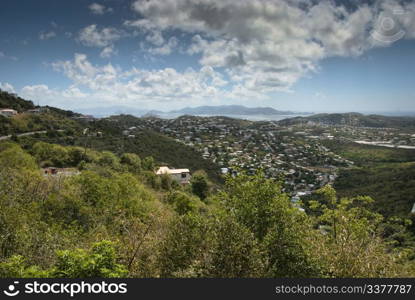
6 137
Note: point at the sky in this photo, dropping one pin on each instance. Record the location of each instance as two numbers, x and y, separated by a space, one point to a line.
299 55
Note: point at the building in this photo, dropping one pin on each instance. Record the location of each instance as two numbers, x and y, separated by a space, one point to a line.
182 176
7 112
38 110
51 171
86 118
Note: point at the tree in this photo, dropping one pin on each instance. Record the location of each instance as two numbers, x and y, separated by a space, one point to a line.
166 182
100 261
109 159
185 244
132 162
183 203
47 154
200 184
349 244
234 251
14 158
148 163
259 204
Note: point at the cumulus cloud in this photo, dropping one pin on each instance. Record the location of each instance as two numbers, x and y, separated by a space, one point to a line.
246 49
47 35
44 95
268 45
92 36
4 86
108 52
110 83
165 49
98 9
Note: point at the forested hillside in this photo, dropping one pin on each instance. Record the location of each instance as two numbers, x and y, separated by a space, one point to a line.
107 214
354 119
112 217
8 100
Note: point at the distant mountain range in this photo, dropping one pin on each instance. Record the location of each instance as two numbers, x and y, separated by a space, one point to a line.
232 110
228 110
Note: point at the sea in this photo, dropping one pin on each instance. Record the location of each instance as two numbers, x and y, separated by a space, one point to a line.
243 117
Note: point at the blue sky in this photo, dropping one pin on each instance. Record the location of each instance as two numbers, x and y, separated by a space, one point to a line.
289 54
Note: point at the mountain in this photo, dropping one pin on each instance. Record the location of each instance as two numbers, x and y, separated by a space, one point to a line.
354 119
101 112
231 110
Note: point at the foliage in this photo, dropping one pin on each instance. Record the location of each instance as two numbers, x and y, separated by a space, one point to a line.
352 246
200 184
59 226
100 261
131 161
183 203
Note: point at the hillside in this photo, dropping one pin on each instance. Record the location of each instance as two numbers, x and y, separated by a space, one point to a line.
109 216
8 100
354 119
147 143
385 174
164 150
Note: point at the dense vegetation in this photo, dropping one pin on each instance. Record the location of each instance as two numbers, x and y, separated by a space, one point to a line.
8 100
388 176
115 218
111 216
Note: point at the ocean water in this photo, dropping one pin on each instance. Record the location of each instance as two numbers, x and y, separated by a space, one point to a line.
243 117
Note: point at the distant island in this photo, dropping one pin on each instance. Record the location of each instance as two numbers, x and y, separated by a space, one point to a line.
233 110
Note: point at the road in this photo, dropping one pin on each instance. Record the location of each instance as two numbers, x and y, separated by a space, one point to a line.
6 137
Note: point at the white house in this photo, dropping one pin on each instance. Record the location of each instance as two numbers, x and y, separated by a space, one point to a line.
182 176
7 112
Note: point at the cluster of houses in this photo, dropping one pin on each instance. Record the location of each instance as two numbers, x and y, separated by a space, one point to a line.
235 145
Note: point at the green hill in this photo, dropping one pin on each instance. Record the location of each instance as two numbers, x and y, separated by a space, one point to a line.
8 100
354 119
386 174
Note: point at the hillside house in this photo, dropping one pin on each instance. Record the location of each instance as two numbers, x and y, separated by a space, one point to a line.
8 112
51 171
182 176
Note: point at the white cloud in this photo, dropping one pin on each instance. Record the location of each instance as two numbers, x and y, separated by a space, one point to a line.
98 9
267 45
47 35
7 87
109 84
92 36
4 56
165 49
108 52
42 94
